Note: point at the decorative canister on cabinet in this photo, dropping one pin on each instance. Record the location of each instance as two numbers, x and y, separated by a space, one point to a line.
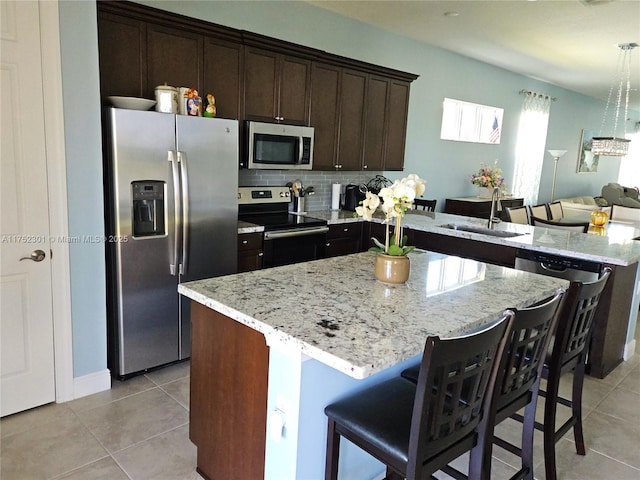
166 99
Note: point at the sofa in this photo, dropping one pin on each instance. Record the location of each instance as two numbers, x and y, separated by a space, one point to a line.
581 204
616 194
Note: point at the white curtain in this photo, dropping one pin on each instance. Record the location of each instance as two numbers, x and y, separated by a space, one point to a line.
629 175
532 135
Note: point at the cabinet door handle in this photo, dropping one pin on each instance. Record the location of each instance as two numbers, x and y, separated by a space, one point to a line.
244 242
260 254
345 230
364 166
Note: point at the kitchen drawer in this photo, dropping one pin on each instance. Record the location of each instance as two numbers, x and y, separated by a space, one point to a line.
250 241
343 239
345 230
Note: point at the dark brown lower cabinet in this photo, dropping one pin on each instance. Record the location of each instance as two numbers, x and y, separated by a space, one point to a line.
343 239
250 252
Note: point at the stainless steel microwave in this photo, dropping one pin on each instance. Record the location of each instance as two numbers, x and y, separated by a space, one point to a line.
279 147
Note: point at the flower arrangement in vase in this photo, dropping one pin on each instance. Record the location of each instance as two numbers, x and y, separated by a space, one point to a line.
489 177
393 201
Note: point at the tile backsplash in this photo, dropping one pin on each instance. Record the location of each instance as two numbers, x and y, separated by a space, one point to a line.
321 181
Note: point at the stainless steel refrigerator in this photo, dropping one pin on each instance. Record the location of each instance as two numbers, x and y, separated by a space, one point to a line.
171 216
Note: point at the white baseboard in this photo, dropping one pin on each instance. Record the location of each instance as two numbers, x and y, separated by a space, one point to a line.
92 383
629 350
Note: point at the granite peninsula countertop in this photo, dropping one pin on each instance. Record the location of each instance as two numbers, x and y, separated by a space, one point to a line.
335 311
616 247
246 227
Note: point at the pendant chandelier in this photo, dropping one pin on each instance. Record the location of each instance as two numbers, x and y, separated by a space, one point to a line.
616 146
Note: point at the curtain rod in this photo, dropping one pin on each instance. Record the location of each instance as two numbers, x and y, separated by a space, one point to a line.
529 92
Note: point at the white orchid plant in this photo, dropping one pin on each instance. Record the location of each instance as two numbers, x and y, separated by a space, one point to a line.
393 201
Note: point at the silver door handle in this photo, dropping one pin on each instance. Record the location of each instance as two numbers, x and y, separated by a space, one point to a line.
184 182
36 256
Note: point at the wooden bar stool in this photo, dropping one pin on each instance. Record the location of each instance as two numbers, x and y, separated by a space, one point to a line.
517 382
568 354
416 429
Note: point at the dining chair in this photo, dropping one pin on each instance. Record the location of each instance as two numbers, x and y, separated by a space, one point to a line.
582 227
538 211
568 355
508 203
415 429
554 211
619 212
428 205
518 380
517 215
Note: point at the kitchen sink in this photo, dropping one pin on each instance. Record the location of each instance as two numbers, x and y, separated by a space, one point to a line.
481 230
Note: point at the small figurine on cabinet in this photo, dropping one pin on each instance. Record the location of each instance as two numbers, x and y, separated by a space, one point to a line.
210 111
194 103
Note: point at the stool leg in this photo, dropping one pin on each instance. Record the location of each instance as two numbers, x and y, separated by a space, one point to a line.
576 407
333 451
549 431
528 429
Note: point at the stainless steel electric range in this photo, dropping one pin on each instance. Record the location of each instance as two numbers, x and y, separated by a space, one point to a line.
288 237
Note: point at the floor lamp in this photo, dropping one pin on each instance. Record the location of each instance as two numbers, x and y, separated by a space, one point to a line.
556 154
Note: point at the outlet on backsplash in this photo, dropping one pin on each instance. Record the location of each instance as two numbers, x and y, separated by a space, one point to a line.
321 181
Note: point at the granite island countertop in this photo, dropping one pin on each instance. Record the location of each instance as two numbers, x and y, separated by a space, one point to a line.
617 246
333 310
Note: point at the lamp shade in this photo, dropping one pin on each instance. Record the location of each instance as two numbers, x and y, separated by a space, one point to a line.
557 153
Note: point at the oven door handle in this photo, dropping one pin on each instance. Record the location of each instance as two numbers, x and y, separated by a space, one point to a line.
298 232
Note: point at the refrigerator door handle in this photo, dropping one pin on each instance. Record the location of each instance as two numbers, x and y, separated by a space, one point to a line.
184 179
176 211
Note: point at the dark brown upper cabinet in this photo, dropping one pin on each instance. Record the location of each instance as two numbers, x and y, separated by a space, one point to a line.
223 76
175 58
375 123
276 87
325 95
397 111
351 120
359 110
122 45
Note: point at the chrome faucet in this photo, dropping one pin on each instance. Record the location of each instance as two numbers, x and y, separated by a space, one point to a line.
495 197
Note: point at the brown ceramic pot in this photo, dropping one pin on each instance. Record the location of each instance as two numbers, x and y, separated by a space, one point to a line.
392 269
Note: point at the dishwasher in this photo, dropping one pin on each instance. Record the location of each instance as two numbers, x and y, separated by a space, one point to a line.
573 269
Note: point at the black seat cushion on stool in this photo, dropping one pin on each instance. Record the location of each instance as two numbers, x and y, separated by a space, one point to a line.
381 414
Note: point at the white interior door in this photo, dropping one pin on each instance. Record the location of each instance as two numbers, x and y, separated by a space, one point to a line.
26 323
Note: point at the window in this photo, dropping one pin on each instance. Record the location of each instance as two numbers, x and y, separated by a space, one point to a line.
629 175
470 122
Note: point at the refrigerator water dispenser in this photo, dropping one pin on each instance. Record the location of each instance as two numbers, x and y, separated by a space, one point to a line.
148 208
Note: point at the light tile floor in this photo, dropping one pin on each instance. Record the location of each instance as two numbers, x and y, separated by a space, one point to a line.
139 430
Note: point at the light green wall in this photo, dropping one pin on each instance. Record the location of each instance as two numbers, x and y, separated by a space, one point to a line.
81 98
445 165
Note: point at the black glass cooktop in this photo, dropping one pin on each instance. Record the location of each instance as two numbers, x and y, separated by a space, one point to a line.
281 221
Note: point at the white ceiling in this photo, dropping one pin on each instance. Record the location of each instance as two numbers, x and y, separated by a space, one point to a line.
570 43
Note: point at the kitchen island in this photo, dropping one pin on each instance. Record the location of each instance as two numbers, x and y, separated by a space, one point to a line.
271 348
615 245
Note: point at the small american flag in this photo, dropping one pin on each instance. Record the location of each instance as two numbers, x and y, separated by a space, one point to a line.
494 136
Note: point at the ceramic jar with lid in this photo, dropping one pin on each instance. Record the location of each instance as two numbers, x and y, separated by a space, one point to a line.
166 99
